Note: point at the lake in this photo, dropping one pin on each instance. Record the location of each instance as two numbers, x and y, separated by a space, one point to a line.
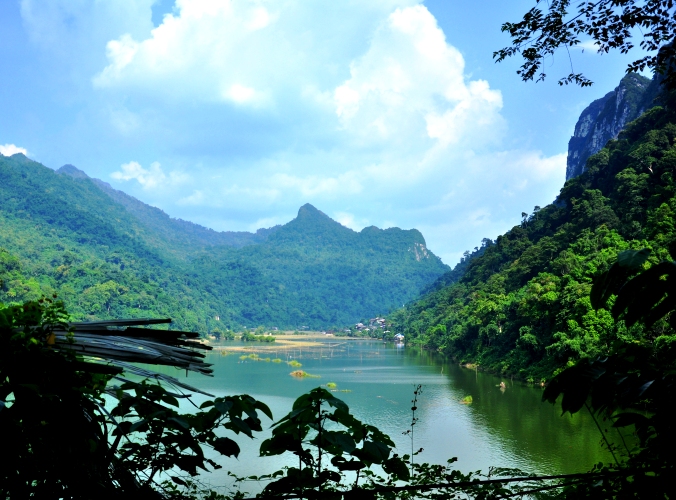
505 428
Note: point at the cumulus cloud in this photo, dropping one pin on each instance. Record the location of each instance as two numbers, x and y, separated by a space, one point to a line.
364 109
148 178
411 84
206 49
11 149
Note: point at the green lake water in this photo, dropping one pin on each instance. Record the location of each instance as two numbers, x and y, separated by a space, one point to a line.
504 428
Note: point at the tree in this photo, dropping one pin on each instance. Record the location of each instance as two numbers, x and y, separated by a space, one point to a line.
62 439
634 386
610 24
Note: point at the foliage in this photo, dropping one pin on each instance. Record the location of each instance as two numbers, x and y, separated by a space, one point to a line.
610 24
342 457
65 442
251 337
523 306
635 386
108 255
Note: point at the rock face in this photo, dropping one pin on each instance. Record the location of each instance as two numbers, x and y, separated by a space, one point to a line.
604 118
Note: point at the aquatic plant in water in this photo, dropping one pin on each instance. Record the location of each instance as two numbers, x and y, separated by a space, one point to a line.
302 374
294 363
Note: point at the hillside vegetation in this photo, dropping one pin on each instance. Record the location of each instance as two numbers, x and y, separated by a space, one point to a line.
523 306
108 255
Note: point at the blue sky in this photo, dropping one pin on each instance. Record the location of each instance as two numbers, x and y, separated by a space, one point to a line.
233 114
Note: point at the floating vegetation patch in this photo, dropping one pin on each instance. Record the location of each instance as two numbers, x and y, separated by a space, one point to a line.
294 363
276 360
250 337
331 385
267 360
243 357
224 352
467 400
302 374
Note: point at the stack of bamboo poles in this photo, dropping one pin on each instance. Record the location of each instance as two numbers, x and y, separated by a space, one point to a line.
116 346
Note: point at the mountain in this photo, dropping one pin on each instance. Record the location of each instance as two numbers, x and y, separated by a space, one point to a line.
522 307
107 254
176 233
606 117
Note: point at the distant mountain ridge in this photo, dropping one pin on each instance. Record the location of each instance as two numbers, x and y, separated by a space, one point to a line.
178 231
606 117
107 254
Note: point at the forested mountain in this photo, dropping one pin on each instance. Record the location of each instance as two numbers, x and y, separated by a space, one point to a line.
606 117
107 255
523 306
182 236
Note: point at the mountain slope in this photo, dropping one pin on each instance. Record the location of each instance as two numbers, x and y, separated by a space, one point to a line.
523 306
109 255
343 274
176 233
605 118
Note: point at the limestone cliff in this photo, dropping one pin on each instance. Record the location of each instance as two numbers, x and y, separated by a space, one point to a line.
604 118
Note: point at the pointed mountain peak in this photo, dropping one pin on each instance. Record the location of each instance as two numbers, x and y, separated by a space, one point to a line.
308 211
73 171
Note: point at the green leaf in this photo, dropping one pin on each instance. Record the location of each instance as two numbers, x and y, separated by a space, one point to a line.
625 419
373 452
136 426
342 464
223 406
398 468
178 480
226 446
633 259
180 421
340 439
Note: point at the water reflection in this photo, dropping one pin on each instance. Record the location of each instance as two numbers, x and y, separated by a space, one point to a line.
508 427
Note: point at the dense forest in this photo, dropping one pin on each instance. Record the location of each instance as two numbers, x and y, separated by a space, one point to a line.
107 255
523 306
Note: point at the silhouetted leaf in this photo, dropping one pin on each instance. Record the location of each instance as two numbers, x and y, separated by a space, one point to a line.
226 446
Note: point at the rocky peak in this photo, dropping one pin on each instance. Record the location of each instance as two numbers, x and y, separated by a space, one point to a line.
605 118
73 171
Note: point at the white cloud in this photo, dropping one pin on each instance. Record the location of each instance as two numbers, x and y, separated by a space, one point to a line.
243 95
351 221
344 184
587 46
196 198
206 49
148 178
11 149
410 85
124 121
364 109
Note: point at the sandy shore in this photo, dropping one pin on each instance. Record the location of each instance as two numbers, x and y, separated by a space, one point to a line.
280 343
